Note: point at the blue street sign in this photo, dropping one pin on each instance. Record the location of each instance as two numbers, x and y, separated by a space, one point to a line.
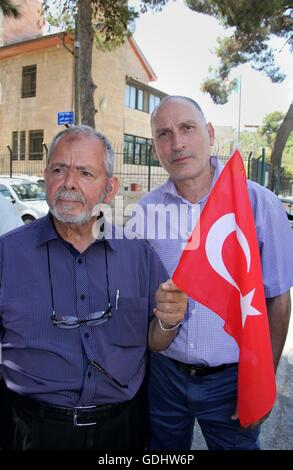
65 118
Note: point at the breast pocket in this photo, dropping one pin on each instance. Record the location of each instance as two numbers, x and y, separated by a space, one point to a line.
130 322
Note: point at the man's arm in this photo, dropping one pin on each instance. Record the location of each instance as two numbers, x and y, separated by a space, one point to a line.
279 309
170 311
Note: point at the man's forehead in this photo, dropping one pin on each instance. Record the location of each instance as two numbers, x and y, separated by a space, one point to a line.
177 110
76 140
78 147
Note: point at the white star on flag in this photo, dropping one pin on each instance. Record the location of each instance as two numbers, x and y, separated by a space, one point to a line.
246 307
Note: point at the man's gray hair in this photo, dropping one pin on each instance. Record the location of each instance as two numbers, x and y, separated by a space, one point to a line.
88 131
177 97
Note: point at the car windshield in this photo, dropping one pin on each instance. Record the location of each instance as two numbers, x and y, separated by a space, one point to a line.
29 191
5 192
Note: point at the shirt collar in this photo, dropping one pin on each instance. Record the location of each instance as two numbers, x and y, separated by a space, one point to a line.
169 188
47 232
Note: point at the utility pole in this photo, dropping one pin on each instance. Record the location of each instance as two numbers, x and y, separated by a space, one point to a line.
239 116
76 70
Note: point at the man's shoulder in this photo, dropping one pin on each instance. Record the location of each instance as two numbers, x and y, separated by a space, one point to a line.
260 196
26 232
154 196
125 241
132 245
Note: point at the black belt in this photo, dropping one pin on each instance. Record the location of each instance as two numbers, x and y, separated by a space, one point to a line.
79 415
200 371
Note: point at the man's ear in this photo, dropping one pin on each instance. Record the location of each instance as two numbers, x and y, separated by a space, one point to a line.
211 133
154 152
112 188
45 174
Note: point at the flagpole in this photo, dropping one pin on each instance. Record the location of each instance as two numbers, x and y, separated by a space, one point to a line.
239 115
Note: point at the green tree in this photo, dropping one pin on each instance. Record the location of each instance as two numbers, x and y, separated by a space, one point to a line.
9 9
254 23
270 126
103 22
269 129
252 142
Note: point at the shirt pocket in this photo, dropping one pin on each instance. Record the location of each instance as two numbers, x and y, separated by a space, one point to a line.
130 322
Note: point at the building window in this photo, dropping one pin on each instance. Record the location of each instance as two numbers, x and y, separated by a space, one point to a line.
140 105
22 145
36 139
15 145
134 98
18 145
153 102
138 151
29 81
130 96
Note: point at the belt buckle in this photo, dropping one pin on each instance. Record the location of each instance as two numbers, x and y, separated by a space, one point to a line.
75 416
193 372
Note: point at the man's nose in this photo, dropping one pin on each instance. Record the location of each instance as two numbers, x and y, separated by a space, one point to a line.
71 179
178 143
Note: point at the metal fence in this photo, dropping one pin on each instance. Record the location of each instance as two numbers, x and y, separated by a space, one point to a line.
144 177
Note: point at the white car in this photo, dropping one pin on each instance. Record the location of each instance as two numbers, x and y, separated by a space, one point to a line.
28 197
288 206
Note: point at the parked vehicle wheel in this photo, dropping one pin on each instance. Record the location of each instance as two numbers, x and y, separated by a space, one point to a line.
27 219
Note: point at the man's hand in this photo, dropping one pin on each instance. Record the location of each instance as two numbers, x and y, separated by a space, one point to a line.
170 310
252 425
171 304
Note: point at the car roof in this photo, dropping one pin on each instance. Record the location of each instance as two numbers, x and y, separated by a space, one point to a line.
14 180
286 199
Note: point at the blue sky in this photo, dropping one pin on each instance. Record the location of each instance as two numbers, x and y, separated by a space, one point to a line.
179 44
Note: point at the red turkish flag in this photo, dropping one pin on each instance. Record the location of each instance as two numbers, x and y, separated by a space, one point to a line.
224 274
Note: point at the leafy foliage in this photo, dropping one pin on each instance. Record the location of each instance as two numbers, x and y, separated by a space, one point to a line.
270 126
254 22
110 20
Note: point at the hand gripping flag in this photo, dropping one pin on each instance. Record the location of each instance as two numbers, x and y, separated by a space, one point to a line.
224 274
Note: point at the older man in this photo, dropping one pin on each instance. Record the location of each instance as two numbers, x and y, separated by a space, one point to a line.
9 220
196 376
75 311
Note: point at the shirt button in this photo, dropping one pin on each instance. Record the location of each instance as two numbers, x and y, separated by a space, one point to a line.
193 311
79 261
191 345
82 297
86 335
89 374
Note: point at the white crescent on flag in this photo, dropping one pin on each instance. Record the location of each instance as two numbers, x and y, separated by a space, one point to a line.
216 237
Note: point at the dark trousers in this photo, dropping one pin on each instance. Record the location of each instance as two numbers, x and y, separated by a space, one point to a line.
6 424
177 399
125 431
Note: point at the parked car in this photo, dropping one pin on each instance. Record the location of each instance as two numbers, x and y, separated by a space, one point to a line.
287 203
28 196
32 178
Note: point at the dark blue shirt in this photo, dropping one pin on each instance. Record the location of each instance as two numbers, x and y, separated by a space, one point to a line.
51 364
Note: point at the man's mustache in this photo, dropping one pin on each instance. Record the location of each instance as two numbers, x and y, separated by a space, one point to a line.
69 196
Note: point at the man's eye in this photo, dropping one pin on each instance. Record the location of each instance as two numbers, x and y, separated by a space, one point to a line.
87 174
162 133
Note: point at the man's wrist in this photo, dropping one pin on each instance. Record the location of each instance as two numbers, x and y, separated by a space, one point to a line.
168 328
